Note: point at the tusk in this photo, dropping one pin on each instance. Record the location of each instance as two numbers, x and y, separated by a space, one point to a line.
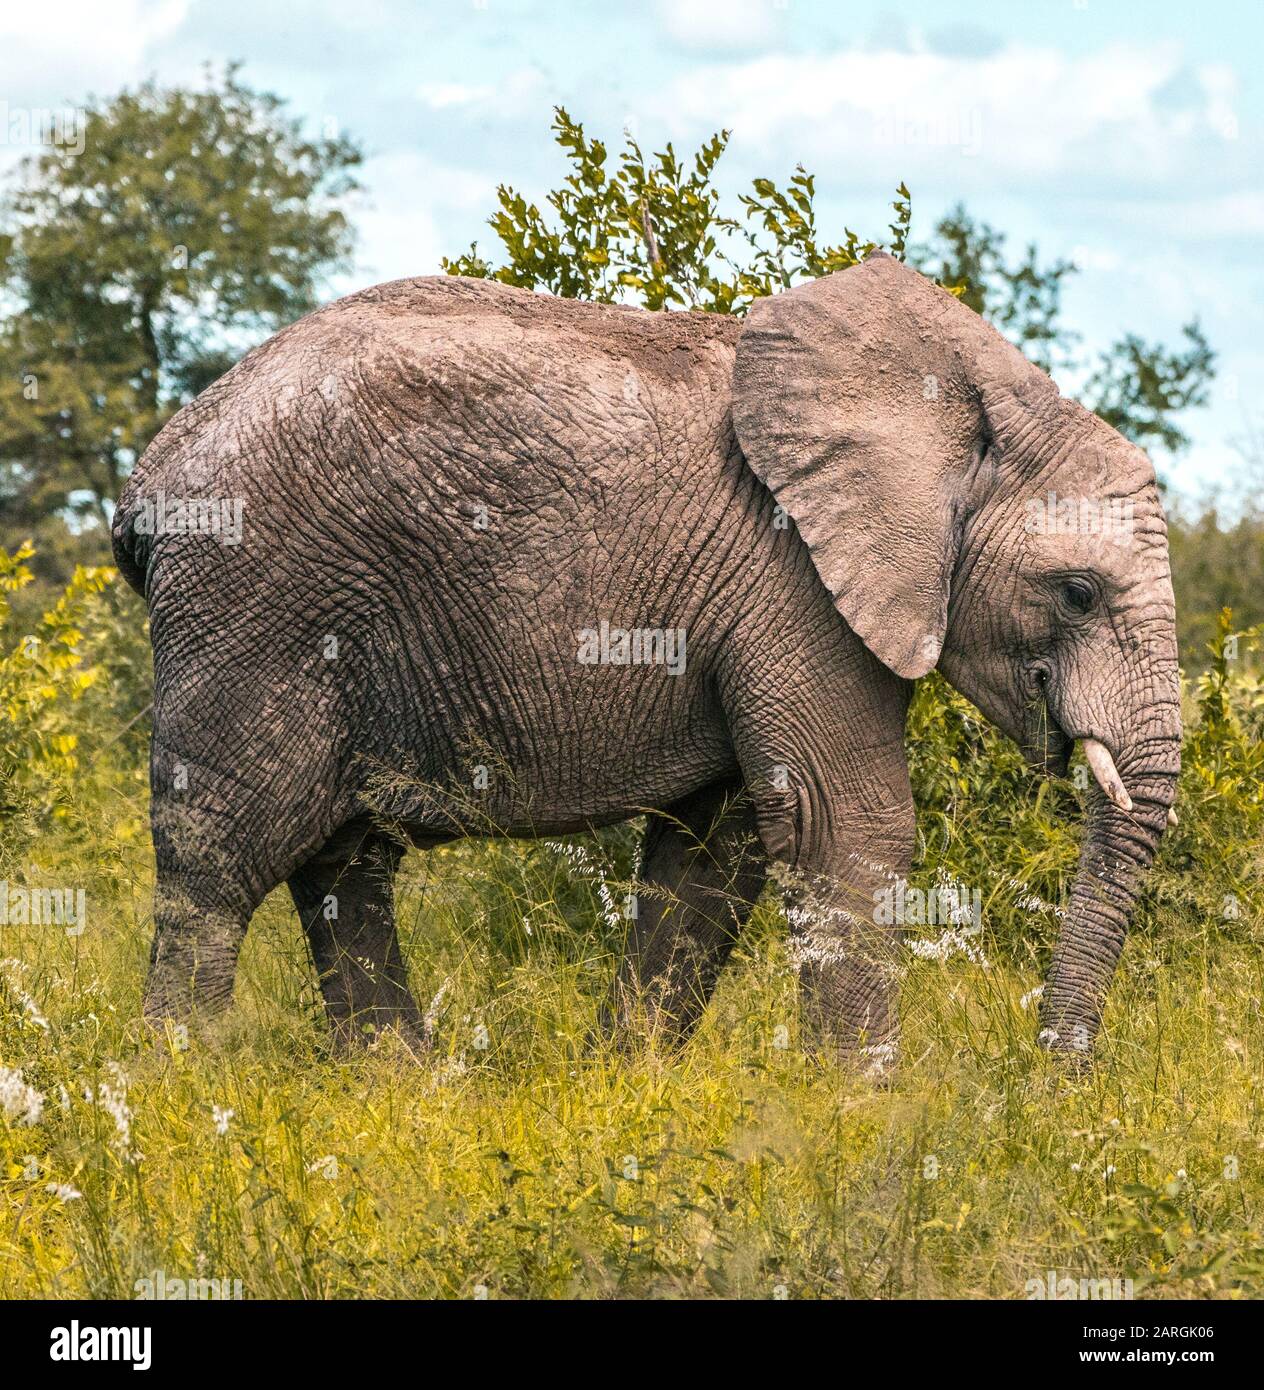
1104 770
1172 818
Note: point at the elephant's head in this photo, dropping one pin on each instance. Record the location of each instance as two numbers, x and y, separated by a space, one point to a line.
964 515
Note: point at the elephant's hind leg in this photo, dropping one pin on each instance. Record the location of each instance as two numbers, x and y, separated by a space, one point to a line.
702 870
221 846
345 900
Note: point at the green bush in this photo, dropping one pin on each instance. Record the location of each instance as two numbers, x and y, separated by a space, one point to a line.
42 676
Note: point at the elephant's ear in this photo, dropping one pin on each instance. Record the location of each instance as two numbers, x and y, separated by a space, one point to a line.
853 402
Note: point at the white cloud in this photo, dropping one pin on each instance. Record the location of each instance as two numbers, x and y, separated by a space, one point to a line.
1094 258
1020 115
719 26
59 53
437 95
410 198
519 93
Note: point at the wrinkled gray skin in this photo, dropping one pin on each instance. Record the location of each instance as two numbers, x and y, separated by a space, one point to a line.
453 479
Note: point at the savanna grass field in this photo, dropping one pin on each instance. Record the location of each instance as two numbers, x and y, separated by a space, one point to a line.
521 1160
151 235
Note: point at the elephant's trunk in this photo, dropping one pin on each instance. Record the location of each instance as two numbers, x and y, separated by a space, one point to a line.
1118 848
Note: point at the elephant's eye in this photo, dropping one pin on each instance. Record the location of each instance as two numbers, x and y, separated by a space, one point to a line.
1078 595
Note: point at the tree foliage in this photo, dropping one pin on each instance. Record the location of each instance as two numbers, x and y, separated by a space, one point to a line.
651 231
1217 563
1138 387
192 224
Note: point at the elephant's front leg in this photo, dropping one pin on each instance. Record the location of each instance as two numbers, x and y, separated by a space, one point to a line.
844 940
702 869
826 769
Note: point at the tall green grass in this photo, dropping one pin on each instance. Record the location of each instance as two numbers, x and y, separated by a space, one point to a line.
523 1162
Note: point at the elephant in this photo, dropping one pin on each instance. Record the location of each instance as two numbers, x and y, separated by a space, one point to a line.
517 565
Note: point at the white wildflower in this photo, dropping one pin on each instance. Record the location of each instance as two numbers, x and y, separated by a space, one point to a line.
1032 902
963 905
881 1056
18 1101
944 947
63 1191
1030 997
112 1098
221 1118
430 1023
449 1070
10 971
584 866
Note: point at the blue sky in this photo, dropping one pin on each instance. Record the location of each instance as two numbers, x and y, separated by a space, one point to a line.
1124 136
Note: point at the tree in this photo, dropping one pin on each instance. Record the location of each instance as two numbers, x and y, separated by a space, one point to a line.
1138 387
192 224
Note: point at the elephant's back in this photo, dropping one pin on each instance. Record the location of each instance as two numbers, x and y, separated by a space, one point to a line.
389 364
485 313
429 417
475 336
454 479
490 358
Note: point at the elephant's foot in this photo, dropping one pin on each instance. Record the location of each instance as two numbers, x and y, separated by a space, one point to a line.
849 1015
190 982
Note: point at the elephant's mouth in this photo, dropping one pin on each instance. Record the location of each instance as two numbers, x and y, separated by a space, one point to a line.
1053 751
1048 746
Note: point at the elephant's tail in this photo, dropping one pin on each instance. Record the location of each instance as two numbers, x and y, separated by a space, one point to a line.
132 547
